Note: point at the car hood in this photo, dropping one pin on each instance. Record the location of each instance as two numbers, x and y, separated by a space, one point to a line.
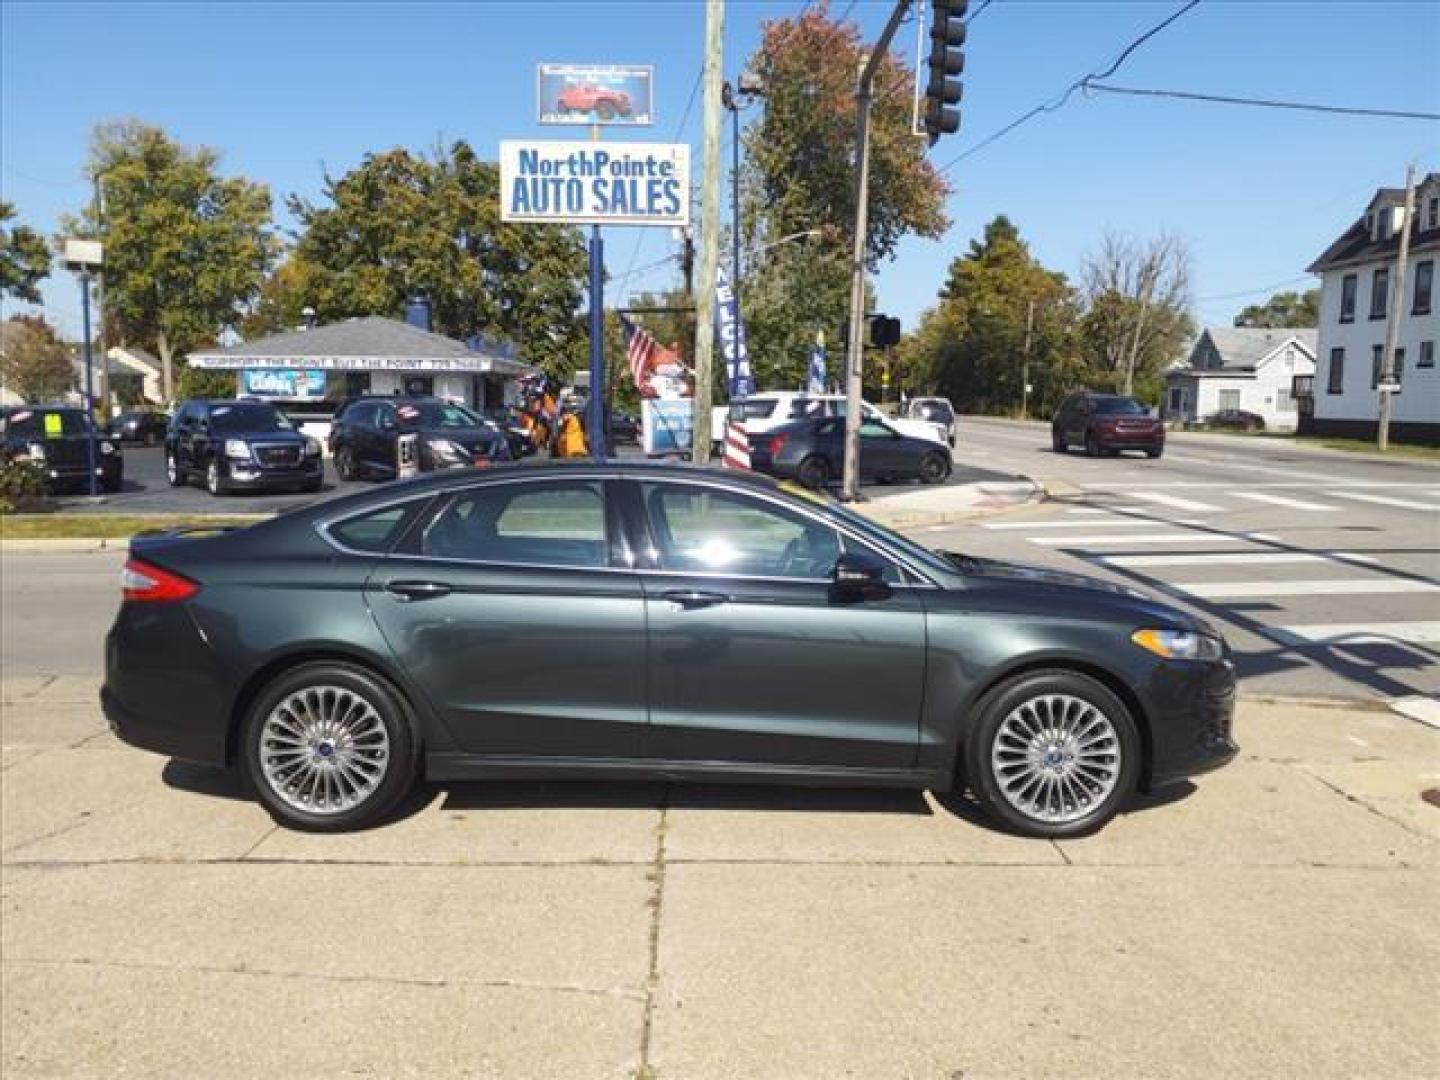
468 437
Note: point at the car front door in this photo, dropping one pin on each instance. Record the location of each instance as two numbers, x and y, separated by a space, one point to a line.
753 658
881 452
512 608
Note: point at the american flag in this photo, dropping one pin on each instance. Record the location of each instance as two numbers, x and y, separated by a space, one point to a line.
644 354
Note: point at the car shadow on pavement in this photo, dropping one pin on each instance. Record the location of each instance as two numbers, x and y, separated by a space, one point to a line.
617 794
963 804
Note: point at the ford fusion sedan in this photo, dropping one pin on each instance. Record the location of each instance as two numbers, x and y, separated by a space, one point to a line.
365 436
240 446
631 621
58 441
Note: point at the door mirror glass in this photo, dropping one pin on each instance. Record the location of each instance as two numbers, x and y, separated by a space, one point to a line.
858 576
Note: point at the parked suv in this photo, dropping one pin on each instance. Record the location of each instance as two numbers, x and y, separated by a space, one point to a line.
55 438
240 446
365 436
1106 424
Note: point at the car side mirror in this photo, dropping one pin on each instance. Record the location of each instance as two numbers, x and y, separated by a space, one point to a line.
858 576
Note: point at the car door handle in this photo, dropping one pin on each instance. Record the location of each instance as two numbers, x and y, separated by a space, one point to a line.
405 591
690 599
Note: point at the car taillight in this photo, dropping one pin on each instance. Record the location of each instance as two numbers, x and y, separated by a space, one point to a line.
777 444
143 581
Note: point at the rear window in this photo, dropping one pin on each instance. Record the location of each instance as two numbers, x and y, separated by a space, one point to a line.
1119 406
762 409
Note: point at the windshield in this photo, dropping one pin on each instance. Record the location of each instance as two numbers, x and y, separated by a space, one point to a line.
435 414
44 423
923 556
1119 406
932 410
248 416
762 409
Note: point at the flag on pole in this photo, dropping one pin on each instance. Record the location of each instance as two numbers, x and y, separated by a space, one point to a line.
647 358
737 447
730 328
816 382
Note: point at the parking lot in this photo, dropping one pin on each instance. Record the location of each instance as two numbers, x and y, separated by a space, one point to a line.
1275 918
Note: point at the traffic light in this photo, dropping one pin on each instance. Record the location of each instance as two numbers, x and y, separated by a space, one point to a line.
884 331
947 59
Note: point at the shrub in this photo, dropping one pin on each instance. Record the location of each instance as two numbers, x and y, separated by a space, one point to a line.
22 487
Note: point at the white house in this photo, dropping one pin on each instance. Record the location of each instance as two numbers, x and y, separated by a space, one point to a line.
1358 277
1238 367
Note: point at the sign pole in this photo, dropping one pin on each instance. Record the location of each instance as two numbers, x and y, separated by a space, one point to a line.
597 344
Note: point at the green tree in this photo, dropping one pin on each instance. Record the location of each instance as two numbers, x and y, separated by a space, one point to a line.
401 223
970 347
800 176
1284 310
24 259
186 250
34 363
205 383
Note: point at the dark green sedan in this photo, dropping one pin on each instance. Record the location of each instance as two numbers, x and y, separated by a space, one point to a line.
635 621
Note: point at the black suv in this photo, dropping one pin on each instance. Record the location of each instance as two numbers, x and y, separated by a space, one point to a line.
240 446
1106 424
365 436
56 439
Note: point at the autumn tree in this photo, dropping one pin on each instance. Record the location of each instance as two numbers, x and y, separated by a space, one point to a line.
34 363
24 259
401 223
1283 311
186 249
800 176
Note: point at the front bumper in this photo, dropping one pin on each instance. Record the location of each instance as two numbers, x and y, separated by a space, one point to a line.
109 470
1192 707
250 477
1124 440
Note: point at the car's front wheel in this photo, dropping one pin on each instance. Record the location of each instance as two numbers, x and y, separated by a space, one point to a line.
173 475
214 482
345 463
328 747
1058 443
814 472
1052 754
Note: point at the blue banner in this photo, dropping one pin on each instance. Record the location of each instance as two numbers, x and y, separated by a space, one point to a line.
731 330
816 384
288 383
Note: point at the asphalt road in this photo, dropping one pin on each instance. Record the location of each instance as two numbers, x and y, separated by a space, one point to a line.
1321 567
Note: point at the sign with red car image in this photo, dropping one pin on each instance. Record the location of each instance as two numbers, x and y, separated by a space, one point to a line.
613 94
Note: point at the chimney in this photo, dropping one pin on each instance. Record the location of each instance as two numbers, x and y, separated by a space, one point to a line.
417 310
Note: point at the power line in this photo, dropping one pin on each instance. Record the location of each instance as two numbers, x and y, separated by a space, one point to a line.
1262 102
1255 292
1060 101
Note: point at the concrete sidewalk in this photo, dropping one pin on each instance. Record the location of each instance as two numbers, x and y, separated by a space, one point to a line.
1274 919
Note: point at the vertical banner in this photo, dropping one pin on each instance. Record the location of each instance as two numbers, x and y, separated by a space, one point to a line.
816 381
731 331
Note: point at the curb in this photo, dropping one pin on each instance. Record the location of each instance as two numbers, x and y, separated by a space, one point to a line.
876 511
61 545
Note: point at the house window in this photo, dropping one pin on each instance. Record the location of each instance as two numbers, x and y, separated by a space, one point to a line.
1377 358
1336 385
1177 400
1424 280
1427 354
1434 212
1229 400
1284 401
1378 366
1379 292
1349 286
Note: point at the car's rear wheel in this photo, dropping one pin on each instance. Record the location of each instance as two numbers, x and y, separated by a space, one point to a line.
814 472
1058 443
933 469
173 475
1053 754
328 747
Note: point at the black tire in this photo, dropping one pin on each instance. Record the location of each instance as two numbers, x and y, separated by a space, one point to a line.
1092 445
174 475
1058 443
933 468
814 472
1154 453
345 463
993 710
400 758
111 487
214 482
312 486
150 438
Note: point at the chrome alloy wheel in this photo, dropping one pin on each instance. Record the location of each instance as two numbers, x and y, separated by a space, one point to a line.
1055 758
324 749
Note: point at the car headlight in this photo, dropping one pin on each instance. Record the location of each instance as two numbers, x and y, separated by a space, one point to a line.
1179 644
37 451
237 448
312 448
449 450
107 447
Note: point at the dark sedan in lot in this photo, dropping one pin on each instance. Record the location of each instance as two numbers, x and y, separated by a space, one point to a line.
57 440
365 436
632 621
813 452
240 446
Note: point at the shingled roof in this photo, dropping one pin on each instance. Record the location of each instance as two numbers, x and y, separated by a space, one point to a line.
1355 244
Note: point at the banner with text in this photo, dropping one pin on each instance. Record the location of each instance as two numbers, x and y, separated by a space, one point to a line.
731 330
586 183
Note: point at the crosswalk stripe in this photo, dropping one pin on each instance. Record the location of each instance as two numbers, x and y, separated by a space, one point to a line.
1410 633
1281 500
1143 538
1385 500
1242 590
1174 501
1115 523
1237 558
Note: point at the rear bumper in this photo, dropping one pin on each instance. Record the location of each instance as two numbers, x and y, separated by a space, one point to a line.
1193 708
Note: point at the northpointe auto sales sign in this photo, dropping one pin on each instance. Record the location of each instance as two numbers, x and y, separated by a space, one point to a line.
591 183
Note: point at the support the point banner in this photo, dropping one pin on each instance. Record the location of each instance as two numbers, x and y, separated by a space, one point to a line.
590 183
730 328
816 382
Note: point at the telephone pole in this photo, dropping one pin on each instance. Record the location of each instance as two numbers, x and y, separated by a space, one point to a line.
1025 364
709 230
100 309
1392 321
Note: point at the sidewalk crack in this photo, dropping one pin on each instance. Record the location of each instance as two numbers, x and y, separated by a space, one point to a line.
646 1071
1338 790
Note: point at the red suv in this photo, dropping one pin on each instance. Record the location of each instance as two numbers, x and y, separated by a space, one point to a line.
601 100
1106 424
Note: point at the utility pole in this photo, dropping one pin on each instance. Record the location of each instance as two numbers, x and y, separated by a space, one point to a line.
1025 364
855 347
709 230
100 309
1392 321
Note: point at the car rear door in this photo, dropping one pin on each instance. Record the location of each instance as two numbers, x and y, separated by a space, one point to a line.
752 659
512 607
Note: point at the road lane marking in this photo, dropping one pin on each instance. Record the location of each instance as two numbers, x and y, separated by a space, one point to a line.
1116 523
1176 502
1281 500
1229 485
1237 558
1152 538
1332 634
1250 590
1385 500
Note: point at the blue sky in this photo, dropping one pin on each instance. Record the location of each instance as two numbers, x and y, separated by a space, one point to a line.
282 89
